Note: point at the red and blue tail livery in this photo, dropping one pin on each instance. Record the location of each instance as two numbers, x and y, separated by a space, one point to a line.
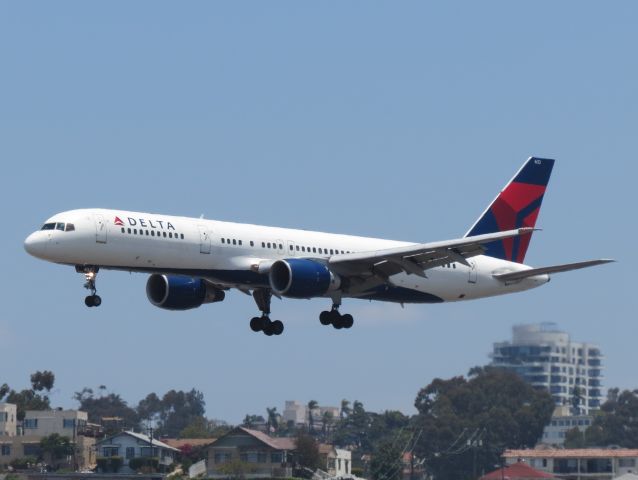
517 206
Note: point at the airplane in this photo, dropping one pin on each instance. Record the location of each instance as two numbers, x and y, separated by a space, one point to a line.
193 261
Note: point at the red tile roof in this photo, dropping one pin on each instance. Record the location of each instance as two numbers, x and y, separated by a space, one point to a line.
278 443
516 471
193 442
573 453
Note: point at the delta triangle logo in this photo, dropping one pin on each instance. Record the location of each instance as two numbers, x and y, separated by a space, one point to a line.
118 221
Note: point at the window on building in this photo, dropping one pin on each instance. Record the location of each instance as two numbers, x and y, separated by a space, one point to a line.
5 450
626 462
276 457
222 457
110 451
30 423
68 423
130 452
31 449
146 452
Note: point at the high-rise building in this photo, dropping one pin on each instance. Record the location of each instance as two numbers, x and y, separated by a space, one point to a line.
546 358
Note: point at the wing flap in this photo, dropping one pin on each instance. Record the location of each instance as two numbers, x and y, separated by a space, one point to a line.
416 259
520 275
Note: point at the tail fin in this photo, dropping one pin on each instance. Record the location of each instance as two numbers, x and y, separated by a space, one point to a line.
516 206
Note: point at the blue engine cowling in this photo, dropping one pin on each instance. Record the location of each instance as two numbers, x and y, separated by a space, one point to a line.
301 278
180 293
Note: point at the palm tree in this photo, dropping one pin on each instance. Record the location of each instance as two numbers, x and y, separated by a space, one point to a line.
345 409
326 420
312 405
273 419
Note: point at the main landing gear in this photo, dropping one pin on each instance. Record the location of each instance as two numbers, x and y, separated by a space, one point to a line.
334 318
264 324
90 273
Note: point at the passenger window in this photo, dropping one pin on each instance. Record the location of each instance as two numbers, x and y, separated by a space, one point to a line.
181 236
223 240
147 233
291 247
59 226
268 244
297 247
234 242
70 227
281 247
331 252
320 250
252 244
164 234
314 249
48 226
152 233
170 234
123 230
239 242
303 249
135 231
129 230
263 244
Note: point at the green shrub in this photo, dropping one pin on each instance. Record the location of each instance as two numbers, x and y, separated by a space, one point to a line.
109 464
138 463
21 463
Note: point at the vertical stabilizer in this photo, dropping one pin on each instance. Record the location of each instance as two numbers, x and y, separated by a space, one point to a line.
516 206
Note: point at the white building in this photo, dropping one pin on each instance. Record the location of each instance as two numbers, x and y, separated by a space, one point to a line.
8 419
294 412
336 462
562 421
547 358
578 464
297 413
45 422
129 445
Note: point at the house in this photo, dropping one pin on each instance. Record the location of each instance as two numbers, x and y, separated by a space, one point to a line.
8 419
335 461
45 422
516 471
256 454
578 463
129 445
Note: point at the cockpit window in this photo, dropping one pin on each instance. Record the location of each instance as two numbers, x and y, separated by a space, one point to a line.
48 226
59 226
69 227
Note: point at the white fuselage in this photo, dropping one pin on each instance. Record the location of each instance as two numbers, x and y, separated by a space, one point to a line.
235 255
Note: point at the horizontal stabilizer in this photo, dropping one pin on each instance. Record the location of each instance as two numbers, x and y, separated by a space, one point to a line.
512 276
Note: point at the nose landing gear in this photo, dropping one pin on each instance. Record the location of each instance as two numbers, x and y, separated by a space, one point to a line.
90 273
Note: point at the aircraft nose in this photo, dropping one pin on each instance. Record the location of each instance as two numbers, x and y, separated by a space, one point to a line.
35 244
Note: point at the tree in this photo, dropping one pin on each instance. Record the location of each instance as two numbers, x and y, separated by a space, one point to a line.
178 409
198 428
273 419
236 469
307 451
42 380
494 405
111 405
345 409
312 405
616 423
56 447
326 423
387 463
251 421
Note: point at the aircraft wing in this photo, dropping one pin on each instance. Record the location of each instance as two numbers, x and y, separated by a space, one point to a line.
520 275
415 259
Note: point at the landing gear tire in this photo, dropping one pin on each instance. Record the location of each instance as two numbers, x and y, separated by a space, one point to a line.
93 301
347 321
256 324
325 318
277 327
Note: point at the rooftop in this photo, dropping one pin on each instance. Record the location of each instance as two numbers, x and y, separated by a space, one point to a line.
573 453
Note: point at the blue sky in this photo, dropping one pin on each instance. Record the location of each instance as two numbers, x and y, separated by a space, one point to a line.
396 120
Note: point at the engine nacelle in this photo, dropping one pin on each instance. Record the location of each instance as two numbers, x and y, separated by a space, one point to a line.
301 278
180 293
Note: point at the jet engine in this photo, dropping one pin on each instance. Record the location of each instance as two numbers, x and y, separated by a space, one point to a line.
173 292
301 278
